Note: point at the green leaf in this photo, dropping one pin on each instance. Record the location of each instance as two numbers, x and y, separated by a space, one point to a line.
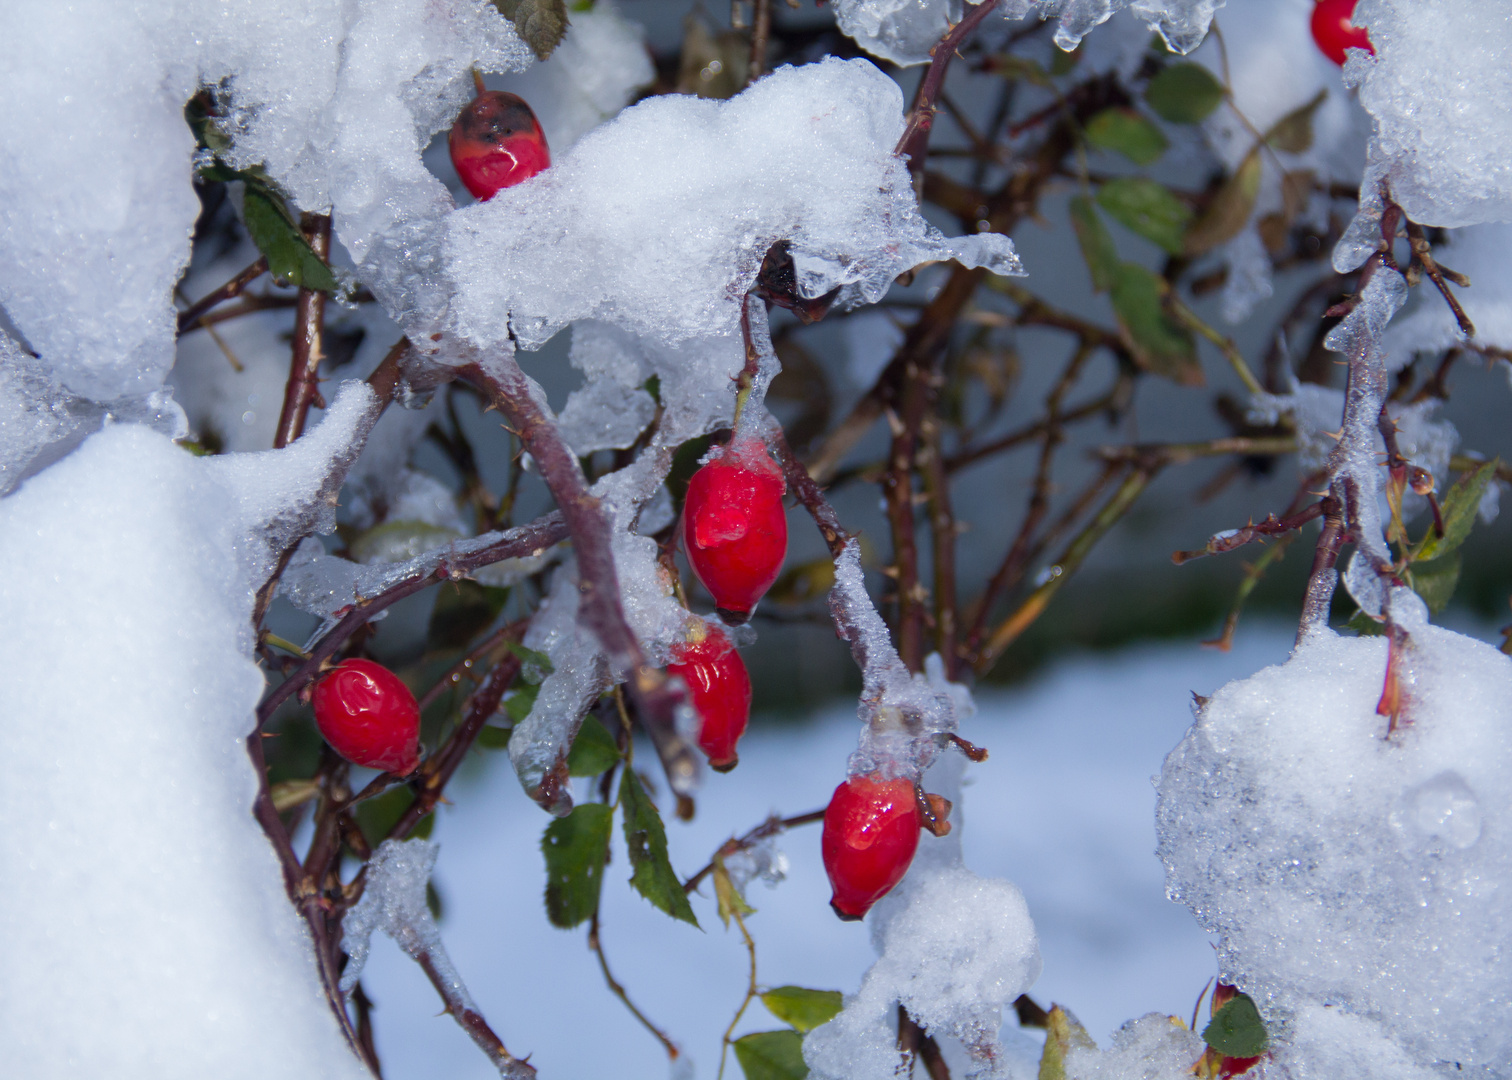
1236 1030
536 665
1184 93
728 896
494 738
376 816
1458 510
1160 344
804 1009
518 704
1293 133
1062 1032
542 23
463 610
1096 245
1126 132
290 257
1147 208
576 848
1365 626
1230 209
771 1055
1434 581
646 838
593 751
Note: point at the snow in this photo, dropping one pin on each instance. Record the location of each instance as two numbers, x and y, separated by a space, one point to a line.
1150 1048
1389 917
658 220
158 940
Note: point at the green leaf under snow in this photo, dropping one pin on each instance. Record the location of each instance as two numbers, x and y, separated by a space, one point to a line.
804 1009
1230 208
542 23
1148 208
1435 581
576 848
653 876
535 666
593 751
1365 626
1184 93
290 257
1062 1032
520 701
1293 133
1095 242
1159 343
1236 1029
1458 509
1125 131
771 1055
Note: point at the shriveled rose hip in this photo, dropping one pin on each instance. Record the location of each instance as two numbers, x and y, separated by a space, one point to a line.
497 143
735 527
871 831
720 688
369 717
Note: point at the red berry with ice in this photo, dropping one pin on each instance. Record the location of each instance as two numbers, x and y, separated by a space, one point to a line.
497 143
1334 31
735 527
720 688
871 831
369 717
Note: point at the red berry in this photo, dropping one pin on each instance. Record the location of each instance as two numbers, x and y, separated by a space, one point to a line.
721 690
735 527
871 831
1233 1066
369 717
497 143
1334 32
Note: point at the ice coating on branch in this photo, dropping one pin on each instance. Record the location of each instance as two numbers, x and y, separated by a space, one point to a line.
953 948
593 74
658 220
1391 916
172 935
905 714
1154 1047
337 98
902 31
1181 23
1437 90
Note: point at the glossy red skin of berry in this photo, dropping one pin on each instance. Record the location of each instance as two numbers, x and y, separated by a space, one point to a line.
369 717
871 831
735 527
1233 1066
497 143
720 688
1333 31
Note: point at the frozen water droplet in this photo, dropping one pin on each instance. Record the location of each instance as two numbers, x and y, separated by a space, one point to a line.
1444 809
249 417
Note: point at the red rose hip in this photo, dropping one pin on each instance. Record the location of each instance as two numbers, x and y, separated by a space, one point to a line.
369 717
497 143
871 831
1334 31
735 527
720 688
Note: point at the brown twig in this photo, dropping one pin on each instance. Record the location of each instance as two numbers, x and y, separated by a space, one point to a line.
595 942
1233 539
599 605
761 29
189 317
914 142
772 826
303 386
472 1022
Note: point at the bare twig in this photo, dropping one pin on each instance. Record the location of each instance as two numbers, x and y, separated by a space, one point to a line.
189 317
595 942
472 1022
303 387
915 139
772 826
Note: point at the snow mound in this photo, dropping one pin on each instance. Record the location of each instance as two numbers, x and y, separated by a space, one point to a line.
1391 916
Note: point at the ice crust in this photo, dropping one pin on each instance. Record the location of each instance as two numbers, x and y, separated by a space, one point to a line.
1375 937
904 31
150 943
1154 1047
658 220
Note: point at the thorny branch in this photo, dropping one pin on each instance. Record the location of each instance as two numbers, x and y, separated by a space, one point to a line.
303 387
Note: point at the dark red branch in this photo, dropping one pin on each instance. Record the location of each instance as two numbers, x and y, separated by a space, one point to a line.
915 139
303 387
189 317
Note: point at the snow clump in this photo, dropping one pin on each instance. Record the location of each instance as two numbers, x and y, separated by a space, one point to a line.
1373 939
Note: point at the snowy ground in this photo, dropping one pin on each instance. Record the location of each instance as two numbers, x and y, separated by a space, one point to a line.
1064 808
